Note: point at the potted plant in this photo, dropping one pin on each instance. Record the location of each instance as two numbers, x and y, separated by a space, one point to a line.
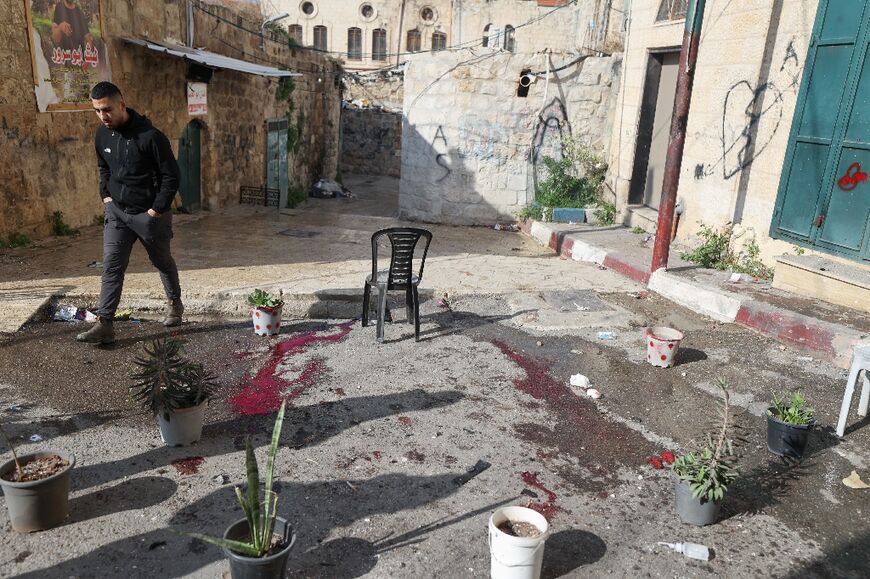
173 389
265 312
789 421
257 546
36 487
703 476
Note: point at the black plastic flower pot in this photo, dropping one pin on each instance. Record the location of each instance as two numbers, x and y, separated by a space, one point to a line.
40 504
785 439
271 567
693 510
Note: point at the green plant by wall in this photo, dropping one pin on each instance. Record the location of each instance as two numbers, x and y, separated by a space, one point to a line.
575 180
14 239
295 129
715 253
59 227
295 133
295 195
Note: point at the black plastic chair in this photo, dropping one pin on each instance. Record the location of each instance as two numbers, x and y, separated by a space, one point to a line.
400 276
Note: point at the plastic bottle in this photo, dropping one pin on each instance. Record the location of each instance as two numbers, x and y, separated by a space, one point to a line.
691 550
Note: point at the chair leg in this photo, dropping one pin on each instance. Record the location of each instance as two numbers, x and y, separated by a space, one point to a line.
382 308
416 297
847 399
367 295
409 305
865 394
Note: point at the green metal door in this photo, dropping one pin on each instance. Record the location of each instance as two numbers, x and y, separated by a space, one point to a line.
824 194
276 158
189 166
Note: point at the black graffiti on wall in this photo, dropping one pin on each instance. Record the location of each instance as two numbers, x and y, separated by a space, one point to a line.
741 136
551 130
441 158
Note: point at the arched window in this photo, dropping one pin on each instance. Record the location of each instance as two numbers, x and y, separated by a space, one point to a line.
486 34
320 38
439 41
379 44
508 38
295 32
354 44
412 42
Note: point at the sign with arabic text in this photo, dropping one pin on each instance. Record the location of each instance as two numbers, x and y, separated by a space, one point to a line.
68 52
197 103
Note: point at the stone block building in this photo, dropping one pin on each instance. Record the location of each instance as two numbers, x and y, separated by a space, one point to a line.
473 142
155 50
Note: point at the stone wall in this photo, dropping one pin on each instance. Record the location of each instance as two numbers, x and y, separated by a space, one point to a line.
371 142
751 58
47 161
472 148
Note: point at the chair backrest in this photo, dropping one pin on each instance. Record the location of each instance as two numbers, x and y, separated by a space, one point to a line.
403 241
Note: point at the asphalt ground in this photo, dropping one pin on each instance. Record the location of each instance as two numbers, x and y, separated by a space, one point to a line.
394 455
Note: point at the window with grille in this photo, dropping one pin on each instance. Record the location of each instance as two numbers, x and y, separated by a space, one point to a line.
379 44
295 32
672 10
320 38
486 34
509 38
412 42
439 41
354 44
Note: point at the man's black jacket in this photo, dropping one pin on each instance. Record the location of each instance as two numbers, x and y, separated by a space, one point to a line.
137 167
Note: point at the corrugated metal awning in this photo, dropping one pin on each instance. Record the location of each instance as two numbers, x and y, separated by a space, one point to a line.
210 59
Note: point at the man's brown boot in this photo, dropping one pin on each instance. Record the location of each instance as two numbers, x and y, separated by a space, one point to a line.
101 333
174 313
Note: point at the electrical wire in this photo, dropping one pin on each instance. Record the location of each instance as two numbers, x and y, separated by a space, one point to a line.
461 45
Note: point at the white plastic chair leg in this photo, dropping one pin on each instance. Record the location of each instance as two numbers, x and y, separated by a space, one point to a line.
865 395
847 398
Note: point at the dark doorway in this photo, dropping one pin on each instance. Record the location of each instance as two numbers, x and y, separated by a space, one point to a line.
189 164
657 107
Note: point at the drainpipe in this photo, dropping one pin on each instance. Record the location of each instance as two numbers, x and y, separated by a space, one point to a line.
399 41
190 23
685 77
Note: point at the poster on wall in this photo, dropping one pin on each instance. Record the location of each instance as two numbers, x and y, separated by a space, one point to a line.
197 98
68 52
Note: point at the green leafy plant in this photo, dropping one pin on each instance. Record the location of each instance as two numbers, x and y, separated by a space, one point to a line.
263 299
295 195
606 212
59 226
798 250
14 239
261 514
638 230
167 381
715 253
792 408
710 470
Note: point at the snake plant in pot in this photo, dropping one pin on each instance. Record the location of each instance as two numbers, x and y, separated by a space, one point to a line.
265 312
789 421
257 546
174 389
703 475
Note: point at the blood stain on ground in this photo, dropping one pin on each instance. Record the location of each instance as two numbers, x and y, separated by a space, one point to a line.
189 465
340 392
548 509
405 420
263 393
415 456
377 454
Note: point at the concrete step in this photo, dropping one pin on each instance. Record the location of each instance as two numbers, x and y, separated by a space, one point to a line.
825 279
641 216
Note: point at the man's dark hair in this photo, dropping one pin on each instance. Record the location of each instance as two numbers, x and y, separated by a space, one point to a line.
103 90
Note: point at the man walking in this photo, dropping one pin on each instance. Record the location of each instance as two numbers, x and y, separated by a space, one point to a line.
138 180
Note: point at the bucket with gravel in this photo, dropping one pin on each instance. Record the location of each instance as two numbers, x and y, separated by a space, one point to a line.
516 543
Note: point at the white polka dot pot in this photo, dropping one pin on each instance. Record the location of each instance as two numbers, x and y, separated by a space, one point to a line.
662 345
267 321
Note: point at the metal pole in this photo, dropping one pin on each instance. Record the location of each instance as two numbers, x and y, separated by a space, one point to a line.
671 181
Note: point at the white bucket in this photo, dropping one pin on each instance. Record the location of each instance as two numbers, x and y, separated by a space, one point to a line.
267 321
184 425
516 557
662 345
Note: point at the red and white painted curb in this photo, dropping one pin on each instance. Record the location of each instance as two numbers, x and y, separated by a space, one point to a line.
832 342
